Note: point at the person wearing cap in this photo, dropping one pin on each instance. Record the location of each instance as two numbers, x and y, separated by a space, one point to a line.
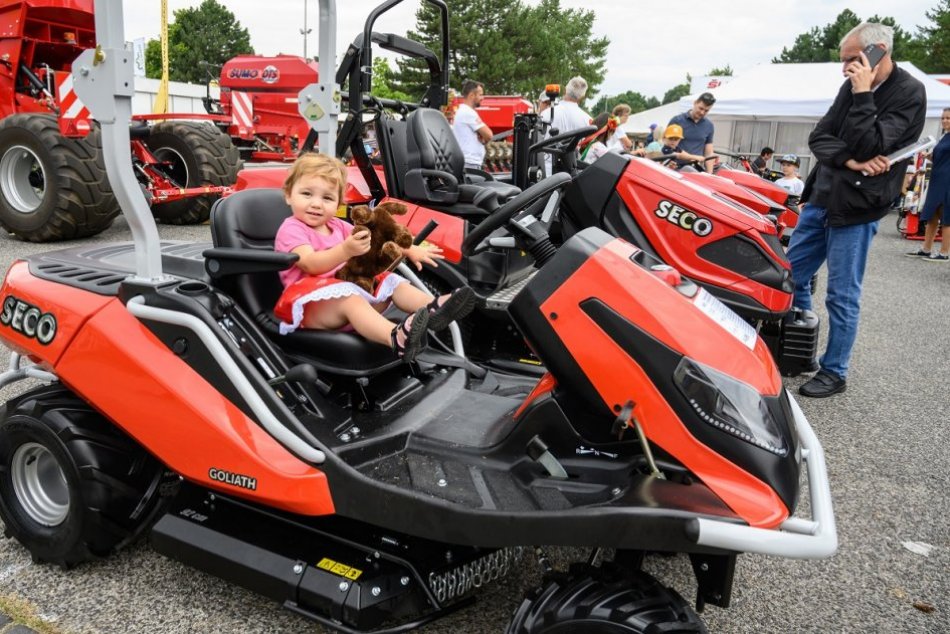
653 135
697 129
761 163
544 101
672 146
620 142
790 181
470 131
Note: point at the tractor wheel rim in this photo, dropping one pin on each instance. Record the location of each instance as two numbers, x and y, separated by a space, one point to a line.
40 484
177 168
22 179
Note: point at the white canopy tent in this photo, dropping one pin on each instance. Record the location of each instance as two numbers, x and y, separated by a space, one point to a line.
777 105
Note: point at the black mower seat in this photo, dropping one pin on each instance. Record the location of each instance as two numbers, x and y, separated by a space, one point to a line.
248 220
436 173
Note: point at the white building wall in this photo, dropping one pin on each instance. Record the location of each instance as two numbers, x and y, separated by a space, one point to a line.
184 98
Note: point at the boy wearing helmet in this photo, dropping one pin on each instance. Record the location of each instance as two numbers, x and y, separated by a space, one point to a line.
790 181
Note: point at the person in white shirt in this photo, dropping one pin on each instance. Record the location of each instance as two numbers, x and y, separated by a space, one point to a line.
620 142
469 129
567 114
790 182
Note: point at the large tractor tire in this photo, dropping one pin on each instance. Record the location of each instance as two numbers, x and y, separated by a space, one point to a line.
52 187
604 601
72 486
198 154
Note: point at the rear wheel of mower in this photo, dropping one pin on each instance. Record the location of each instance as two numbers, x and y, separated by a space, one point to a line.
72 486
198 154
52 187
606 600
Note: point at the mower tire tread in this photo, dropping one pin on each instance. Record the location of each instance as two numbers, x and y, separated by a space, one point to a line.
77 201
605 600
112 482
211 159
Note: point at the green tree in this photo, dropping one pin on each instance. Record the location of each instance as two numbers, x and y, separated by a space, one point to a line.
636 101
383 79
820 44
930 50
678 91
209 33
725 71
510 47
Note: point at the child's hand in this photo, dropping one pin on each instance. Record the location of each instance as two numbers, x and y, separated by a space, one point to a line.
357 243
424 253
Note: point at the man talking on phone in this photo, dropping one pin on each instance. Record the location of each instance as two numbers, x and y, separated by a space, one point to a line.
880 108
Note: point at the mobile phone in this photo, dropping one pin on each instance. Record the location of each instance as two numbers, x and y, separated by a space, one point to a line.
874 53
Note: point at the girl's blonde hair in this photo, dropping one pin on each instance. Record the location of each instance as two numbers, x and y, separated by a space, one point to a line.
314 164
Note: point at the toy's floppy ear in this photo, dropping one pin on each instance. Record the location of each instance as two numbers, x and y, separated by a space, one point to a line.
361 215
393 208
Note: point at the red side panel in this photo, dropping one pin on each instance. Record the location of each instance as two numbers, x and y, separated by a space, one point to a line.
679 217
28 306
155 397
618 378
448 235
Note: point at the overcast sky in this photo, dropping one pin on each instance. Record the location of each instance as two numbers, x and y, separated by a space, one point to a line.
653 43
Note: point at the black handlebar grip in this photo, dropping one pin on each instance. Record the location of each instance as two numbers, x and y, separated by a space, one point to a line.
426 230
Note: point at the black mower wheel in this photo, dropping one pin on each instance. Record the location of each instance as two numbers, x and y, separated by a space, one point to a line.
52 187
605 600
197 154
72 486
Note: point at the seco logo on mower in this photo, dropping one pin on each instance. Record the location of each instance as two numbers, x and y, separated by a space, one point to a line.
28 320
234 479
683 218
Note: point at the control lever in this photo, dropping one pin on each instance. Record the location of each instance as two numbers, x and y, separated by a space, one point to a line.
302 373
538 451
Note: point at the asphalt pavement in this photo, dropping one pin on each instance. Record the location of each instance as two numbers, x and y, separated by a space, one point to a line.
887 444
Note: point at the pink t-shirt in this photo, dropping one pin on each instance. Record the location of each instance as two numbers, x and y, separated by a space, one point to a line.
294 233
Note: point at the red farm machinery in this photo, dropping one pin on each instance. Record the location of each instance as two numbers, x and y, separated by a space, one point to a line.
53 184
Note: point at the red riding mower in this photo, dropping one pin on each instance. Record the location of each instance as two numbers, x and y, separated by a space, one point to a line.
729 249
373 495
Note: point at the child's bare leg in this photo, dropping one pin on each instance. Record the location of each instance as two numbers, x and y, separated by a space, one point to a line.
409 299
332 314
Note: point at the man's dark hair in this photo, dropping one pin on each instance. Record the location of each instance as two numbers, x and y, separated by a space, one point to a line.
470 85
766 150
707 98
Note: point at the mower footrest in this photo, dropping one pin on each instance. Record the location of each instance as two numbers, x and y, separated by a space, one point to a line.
500 299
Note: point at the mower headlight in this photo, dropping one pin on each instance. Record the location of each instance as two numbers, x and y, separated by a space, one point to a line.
729 405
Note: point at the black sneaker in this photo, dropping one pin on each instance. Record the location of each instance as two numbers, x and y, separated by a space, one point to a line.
939 257
823 384
918 254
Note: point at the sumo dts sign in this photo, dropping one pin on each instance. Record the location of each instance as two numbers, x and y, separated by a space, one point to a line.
268 75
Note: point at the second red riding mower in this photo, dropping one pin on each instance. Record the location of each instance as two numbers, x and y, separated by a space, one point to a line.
368 494
730 250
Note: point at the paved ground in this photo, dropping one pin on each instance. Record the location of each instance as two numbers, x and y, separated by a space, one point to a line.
887 441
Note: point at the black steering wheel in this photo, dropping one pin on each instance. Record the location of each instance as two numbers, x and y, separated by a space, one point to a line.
511 208
699 164
562 143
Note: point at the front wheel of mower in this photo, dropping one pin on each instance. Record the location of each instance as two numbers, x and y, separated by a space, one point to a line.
72 486
606 600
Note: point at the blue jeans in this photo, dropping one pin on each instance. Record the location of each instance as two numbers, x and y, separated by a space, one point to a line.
846 251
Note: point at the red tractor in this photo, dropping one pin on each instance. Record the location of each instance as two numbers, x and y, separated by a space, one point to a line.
53 184
259 95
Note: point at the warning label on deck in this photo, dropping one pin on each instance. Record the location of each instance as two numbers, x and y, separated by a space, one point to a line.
339 569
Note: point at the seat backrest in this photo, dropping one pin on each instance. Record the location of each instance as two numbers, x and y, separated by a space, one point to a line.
432 143
391 136
249 219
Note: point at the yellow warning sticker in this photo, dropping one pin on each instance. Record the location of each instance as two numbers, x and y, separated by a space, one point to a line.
339 569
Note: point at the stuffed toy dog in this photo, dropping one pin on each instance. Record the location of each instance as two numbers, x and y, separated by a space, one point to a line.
388 239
